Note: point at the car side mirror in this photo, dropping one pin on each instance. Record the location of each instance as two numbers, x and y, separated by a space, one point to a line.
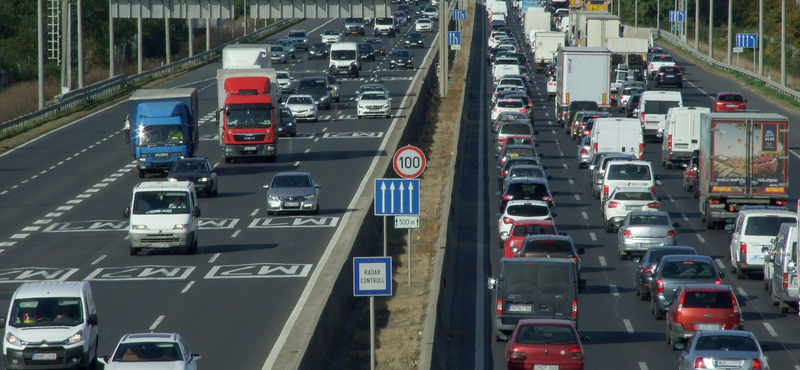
195 357
497 192
496 155
581 284
317 186
265 186
765 250
679 346
196 211
637 259
504 234
498 167
93 319
126 213
676 224
491 283
591 167
2 322
503 338
648 274
764 347
657 177
554 214
283 103
729 227
581 251
721 274
103 360
562 233
585 338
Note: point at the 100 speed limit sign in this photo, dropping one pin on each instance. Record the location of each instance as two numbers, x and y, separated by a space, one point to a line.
409 162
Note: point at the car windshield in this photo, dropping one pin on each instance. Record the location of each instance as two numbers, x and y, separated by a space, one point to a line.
371 88
725 343
49 311
545 335
528 210
353 20
518 171
730 97
286 113
655 255
373 96
649 219
277 48
424 20
282 75
506 61
532 278
401 54
414 36
547 246
300 100
284 42
688 270
524 230
331 33
248 117
523 191
512 81
519 152
430 9
291 181
519 141
343 55
629 172
583 105
669 69
707 299
160 202
634 195
312 83
660 106
160 135
515 129
766 225
296 34
190 166
319 46
148 352
377 42
384 21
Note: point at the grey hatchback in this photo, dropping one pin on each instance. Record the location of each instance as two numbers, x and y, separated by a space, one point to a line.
648 264
672 271
292 192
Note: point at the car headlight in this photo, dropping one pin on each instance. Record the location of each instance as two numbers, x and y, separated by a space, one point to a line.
12 339
309 196
142 159
386 105
172 179
283 55
203 179
324 98
180 227
75 338
273 197
139 227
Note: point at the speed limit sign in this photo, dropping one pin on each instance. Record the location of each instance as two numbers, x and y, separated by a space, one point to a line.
409 162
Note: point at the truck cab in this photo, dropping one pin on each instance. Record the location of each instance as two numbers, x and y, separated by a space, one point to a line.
248 114
344 59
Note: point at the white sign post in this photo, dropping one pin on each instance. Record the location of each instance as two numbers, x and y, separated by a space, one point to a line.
407 222
372 276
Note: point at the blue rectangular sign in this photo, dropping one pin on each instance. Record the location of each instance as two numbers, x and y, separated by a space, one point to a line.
453 38
747 40
372 276
396 197
460 15
677 16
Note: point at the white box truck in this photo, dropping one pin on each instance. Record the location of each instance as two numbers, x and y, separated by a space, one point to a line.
535 21
246 56
546 48
595 28
582 75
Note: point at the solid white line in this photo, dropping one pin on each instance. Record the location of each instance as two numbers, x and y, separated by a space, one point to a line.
642 366
719 263
214 258
186 289
593 236
614 290
771 331
684 216
701 238
99 259
254 212
628 325
158 321
602 261
585 216
235 233
301 302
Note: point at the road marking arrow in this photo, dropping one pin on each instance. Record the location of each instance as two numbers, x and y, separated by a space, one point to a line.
411 198
383 197
391 187
401 196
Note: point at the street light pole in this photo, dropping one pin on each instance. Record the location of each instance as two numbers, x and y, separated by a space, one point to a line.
730 30
783 42
711 29
697 25
636 14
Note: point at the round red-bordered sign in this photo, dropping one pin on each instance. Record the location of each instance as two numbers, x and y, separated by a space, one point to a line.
409 162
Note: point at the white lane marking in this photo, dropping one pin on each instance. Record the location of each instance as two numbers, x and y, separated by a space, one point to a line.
585 216
2 250
68 159
188 286
701 238
602 261
628 325
236 233
117 174
214 257
43 221
15 186
316 139
53 214
19 236
4 191
255 211
52 167
301 302
216 164
24 181
100 185
571 182
7 244
684 216
719 263
614 290
642 366
325 128
158 321
741 292
565 166
577 197
795 154
109 179
32 228
74 201
296 163
593 236
43 172
658 182
57 164
307 150
64 208
670 198
99 259
91 190
84 195
771 331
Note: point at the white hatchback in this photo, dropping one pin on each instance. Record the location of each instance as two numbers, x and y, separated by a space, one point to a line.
508 105
302 107
374 103
521 210
151 351
424 25
624 200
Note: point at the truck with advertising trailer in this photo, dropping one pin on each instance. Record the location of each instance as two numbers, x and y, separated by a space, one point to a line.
594 28
546 47
582 75
742 160
248 113
535 21
246 56
598 5
163 127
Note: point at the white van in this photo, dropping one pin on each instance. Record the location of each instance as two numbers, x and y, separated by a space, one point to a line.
500 70
498 17
682 135
628 173
653 108
344 59
51 324
163 215
617 135
498 7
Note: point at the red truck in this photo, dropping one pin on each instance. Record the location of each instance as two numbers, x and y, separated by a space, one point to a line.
248 113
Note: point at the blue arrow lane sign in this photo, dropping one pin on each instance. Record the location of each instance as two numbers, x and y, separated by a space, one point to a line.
747 40
453 38
459 14
677 16
396 197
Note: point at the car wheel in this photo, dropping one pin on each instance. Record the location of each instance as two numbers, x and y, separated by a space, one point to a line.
783 307
622 255
209 193
134 251
609 227
740 274
227 160
215 192
141 174
337 99
643 295
657 314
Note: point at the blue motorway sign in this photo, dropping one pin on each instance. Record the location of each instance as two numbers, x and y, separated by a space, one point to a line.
396 197
453 38
372 276
677 16
460 15
747 40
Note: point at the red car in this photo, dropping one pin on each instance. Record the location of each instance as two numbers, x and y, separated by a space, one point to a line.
729 102
521 229
698 307
690 175
544 342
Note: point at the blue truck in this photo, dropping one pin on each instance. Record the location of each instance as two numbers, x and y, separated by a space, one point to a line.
163 127
529 4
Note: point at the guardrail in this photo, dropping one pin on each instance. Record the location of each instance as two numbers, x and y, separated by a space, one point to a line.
97 90
704 57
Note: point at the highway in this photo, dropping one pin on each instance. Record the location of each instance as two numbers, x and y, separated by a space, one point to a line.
62 197
623 334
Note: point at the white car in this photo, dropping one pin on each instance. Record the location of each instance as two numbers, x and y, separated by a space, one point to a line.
495 37
431 12
754 228
522 210
302 107
151 351
374 103
331 36
285 81
508 105
624 200
423 25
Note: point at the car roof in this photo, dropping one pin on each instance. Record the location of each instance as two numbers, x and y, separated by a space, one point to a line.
300 96
766 212
149 337
61 289
717 287
732 333
406 50
548 237
673 248
687 257
518 146
292 173
516 202
728 93
534 260
620 163
528 180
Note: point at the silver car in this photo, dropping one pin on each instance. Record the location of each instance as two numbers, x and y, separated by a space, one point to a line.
511 128
278 54
583 152
649 261
672 271
302 107
641 230
292 192
524 170
508 116
723 349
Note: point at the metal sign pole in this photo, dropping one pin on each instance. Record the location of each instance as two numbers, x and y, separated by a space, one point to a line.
384 237
372 329
409 258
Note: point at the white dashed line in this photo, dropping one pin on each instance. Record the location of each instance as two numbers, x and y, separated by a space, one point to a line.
235 233
53 214
642 366
43 172
316 139
296 163
100 185
325 128
602 261
59 163
577 197
701 238
24 181
628 325
188 286
117 174
741 292
64 208
771 331
99 259
4 191
91 190
614 290
52 167
593 236
571 182
19 236
719 263
214 257
565 166
684 216
658 182
585 216
31 228
74 201
109 179
43 221
254 212
7 244
15 186
84 195
307 150
158 321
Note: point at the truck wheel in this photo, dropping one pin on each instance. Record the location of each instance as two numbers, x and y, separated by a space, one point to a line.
227 160
669 165
783 307
710 225
766 283
740 274
141 174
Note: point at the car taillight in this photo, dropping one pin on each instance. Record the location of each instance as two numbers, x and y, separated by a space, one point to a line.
742 247
652 65
523 110
653 205
605 189
669 143
627 234
585 132
641 151
508 197
678 75
698 363
660 286
574 258
660 73
499 306
584 151
718 282
508 220
652 190
735 305
574 308
755 364
575 352
785 280
713 201
780 202
497 110
495 94
613 204
595 147
517 354
671 233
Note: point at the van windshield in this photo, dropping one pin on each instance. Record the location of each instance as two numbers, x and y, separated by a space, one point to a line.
631 172
343 55
531 278
660 106
50 311
160 202
766 225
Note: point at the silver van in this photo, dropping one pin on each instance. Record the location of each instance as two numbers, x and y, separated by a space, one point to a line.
780 271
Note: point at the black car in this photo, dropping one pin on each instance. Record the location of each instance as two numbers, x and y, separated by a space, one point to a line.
492 55
318 50
669 75
521 59
527 188
401 59
288 125
317 87
199 171
377 45
414 39
496 25
365 51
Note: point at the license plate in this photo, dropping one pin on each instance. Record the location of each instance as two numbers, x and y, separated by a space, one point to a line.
159 245
652 123
545 367
250 148
44 356
681 146
670 75
519 308
291 204
161 154
731 105
375 111
727 363
707 326
632 208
